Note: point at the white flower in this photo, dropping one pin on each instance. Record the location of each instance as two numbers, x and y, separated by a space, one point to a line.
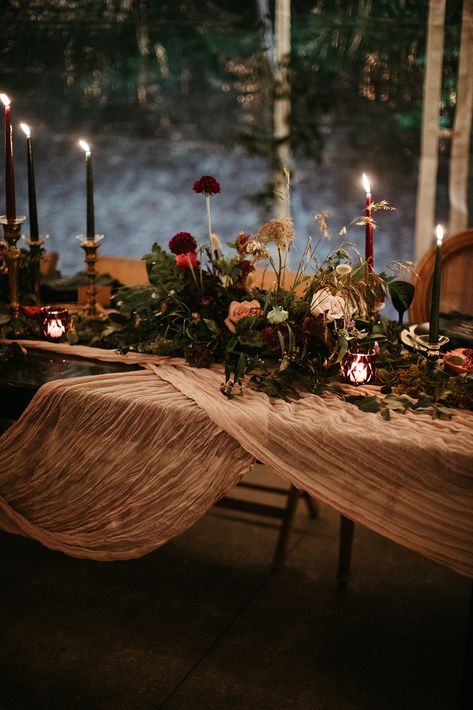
331 307
343 269
277 315
257 250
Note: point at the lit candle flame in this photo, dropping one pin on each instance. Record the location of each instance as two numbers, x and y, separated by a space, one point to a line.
439 234
5 100
26 129
85 146
55 328
358 372
366 184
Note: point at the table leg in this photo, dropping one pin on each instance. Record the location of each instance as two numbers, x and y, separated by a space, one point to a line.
466 699
283 539
347 530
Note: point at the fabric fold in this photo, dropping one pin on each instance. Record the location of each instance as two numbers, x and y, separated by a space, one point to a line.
113 466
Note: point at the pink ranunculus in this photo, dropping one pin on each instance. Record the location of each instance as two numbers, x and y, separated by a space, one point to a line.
237 311
185 261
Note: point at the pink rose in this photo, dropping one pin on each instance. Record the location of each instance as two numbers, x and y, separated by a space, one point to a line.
185 261
237 311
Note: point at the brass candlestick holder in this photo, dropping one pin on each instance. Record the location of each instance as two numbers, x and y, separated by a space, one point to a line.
36 248
11 232
90 247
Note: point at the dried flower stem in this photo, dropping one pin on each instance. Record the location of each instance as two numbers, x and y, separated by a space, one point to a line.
192 270
209 220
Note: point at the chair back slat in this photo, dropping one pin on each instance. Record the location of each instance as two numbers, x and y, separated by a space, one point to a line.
456 290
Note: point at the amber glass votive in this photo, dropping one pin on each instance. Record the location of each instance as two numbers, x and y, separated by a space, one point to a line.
359 367
54 323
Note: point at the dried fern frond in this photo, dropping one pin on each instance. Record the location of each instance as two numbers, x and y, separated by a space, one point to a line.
382 205
282 193
362 221
399 265
321 220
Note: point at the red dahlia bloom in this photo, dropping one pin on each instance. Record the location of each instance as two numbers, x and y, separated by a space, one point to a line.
207 184
182 243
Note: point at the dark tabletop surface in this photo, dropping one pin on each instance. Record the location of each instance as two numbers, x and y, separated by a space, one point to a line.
20 381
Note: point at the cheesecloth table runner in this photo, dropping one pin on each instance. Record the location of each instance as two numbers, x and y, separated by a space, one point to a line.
112 466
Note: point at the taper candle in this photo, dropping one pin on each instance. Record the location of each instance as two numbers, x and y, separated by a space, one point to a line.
434 308
32 206
368 227
90 190
9 169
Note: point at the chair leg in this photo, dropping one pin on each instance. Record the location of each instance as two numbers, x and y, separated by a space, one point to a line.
288 520
347 530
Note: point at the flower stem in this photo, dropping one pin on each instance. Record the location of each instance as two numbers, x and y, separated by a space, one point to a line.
209 219
192 270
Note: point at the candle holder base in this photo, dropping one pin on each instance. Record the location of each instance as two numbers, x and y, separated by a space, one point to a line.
431 350
90 247
12 256
36 252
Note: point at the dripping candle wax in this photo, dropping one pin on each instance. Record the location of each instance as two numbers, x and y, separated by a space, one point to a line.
90 190
33 212
435 303
368 226
9 169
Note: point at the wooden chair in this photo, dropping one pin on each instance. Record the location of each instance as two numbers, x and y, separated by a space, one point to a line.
456 295
130 272
456 286
48 263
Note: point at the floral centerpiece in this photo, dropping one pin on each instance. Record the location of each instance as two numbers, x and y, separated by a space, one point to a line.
210 307
279 331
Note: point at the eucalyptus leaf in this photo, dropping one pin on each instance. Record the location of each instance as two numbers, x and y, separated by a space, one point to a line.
212 326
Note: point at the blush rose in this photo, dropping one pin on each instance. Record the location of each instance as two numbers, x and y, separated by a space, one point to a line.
237 311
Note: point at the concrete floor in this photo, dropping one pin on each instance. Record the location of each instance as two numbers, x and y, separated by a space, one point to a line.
202 623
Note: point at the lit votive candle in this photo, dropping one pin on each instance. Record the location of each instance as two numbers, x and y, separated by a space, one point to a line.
359 368
55 323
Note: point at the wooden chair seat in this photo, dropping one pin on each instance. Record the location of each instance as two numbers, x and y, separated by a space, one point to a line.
456 292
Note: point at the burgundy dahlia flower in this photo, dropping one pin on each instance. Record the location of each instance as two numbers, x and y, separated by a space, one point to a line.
241 242
207 184
182 243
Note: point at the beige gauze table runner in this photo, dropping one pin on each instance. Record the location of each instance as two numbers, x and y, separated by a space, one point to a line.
112 466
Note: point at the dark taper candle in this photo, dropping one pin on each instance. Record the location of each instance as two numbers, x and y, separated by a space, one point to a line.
369 256
32 206
90 190
435 304
9 169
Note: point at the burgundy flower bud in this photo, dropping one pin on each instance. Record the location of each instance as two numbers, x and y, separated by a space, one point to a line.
207 184
182 243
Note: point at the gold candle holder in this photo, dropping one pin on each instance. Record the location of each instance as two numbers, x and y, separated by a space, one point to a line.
12 255
35 246
90 247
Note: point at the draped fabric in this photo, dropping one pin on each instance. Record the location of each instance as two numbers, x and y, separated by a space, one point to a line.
111 467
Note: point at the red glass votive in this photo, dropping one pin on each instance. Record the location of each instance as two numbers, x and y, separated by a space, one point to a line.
54 323
359 367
